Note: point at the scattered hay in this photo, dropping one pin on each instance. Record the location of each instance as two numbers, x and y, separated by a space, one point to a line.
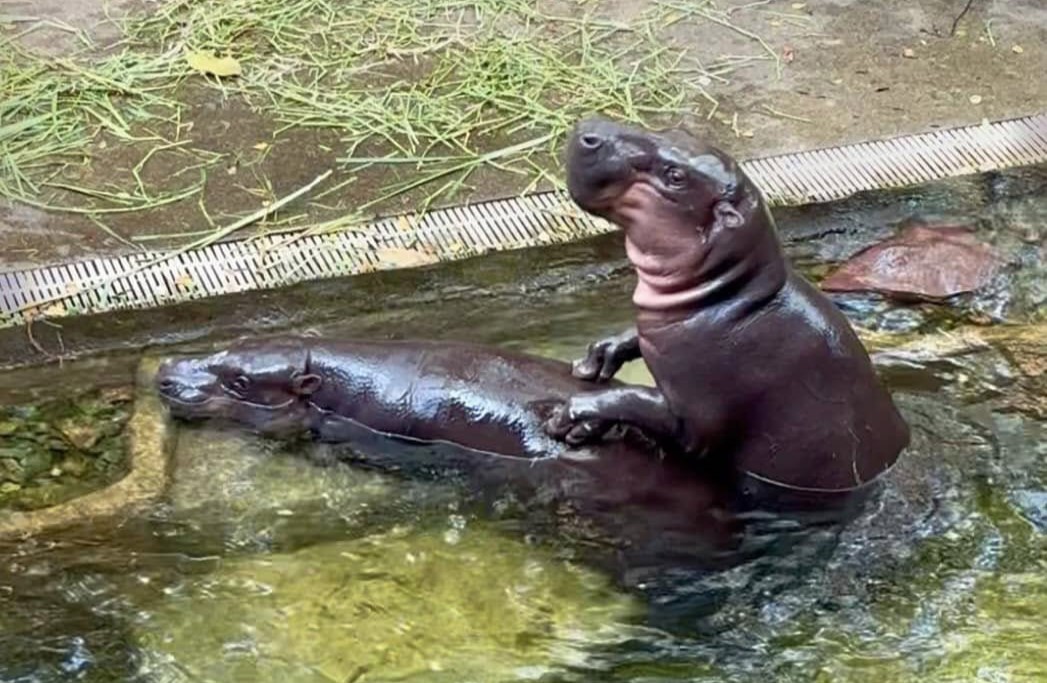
434 90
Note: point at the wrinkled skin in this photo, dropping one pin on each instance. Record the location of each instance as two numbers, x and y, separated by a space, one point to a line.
425 407
753 365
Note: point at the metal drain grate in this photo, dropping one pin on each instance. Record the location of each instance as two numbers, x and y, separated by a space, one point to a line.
457 232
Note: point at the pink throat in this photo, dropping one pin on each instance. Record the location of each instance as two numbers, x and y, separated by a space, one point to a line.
660 285
666 263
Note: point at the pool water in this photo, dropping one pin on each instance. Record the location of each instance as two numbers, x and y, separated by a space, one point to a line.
269 562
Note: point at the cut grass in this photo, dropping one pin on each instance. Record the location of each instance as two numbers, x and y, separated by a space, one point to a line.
53 112
431 91
450 86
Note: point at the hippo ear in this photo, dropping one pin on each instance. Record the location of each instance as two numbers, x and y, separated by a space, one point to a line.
304 385
727 215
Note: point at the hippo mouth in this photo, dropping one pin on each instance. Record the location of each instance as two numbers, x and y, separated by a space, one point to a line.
175 393
277 420
172 395
194 408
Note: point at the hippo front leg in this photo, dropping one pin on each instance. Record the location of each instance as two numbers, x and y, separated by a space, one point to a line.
587 417
606 357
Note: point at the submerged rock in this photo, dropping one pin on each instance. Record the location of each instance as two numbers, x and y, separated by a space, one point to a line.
1033 506
922 263
453 603
134 442
237 490
1005 365
48 639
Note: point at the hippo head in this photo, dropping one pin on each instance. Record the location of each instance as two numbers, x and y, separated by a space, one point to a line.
262 384
688 210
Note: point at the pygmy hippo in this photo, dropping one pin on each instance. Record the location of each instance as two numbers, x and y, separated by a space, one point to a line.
431 407
753 365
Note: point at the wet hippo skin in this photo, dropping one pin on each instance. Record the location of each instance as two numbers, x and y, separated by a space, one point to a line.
467 408
753 365
481 398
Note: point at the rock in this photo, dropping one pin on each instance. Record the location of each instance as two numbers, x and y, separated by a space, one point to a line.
10 468
404 605
83 435
922 263
1033 505
117 395
1004 364
24 462
74 466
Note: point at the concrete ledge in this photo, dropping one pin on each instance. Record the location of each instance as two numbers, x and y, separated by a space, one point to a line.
151 280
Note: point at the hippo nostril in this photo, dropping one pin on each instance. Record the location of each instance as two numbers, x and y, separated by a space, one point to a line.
590 141
167 384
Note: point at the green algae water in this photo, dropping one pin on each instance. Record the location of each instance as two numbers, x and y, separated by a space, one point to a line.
272 562
463 603
55 450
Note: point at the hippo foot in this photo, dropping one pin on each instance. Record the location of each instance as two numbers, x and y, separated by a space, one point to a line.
576 422
606 357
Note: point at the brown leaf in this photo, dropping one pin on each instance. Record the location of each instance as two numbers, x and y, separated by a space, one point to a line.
405 258
206 62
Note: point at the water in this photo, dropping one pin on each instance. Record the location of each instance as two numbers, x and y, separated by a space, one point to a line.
261 564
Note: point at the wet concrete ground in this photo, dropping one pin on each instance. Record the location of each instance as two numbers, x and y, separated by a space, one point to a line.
852 70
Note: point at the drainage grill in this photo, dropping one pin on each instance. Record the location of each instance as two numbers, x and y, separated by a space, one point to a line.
138 281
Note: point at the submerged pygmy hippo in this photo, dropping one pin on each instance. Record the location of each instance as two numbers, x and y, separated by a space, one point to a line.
480 398
752 363
475 409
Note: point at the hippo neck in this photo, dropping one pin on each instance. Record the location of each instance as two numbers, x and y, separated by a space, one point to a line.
739 279
334 372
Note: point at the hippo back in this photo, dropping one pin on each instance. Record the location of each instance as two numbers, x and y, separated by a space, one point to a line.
480 397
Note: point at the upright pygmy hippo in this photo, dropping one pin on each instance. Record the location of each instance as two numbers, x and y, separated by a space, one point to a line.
752 363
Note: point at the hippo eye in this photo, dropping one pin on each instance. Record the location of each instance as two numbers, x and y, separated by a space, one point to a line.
240 385
676 176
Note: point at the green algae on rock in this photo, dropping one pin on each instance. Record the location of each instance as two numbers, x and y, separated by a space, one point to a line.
144 438
53 451
450 604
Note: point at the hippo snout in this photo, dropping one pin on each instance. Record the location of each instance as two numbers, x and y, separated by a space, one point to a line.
602 159
183 381
593 133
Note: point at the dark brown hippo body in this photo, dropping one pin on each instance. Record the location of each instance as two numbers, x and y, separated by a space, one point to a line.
434 407
754 366
476 397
